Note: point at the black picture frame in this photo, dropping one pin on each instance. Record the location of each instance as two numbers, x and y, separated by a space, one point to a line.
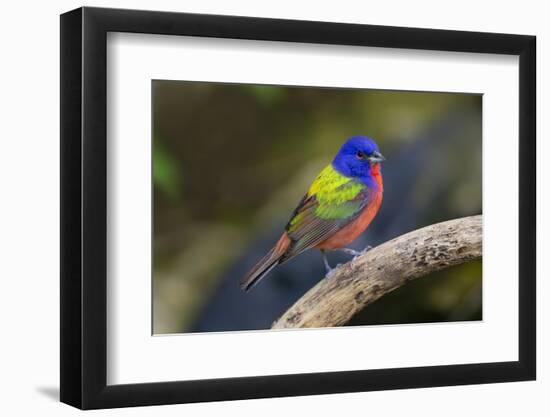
84 207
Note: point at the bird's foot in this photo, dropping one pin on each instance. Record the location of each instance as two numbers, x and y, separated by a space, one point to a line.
367 248
352 252
332 270
328 269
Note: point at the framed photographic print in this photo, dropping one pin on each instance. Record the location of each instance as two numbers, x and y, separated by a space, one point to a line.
257 208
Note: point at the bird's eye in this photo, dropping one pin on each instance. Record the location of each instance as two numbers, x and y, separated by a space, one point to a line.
360 155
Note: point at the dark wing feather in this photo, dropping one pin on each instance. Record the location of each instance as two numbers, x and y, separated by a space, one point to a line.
306 229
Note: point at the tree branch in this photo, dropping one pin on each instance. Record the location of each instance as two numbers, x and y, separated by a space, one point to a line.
356 284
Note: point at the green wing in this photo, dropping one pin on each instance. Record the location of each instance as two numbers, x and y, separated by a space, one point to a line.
331 203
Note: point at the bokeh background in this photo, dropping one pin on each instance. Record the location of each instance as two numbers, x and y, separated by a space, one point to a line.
231 161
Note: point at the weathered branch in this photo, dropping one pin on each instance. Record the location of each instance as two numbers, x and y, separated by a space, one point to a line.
356 284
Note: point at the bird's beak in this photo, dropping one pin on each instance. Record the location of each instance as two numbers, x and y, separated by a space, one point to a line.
376 157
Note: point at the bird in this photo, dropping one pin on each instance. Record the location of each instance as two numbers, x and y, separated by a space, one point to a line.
339 205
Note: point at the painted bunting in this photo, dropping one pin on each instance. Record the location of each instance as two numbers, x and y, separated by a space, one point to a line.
339 205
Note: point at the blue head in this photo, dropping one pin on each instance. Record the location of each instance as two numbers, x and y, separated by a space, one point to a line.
357 158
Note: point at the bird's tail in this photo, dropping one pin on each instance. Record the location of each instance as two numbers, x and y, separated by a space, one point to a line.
266 264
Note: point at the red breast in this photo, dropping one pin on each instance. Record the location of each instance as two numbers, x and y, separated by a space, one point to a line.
351 231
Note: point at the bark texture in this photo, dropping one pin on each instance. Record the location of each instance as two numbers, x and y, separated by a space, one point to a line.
356 284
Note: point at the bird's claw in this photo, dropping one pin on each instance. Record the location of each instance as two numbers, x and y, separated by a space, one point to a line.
357 254
367 248
332 270
349 251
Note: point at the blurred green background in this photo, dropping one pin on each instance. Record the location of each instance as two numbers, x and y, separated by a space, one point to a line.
231 161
